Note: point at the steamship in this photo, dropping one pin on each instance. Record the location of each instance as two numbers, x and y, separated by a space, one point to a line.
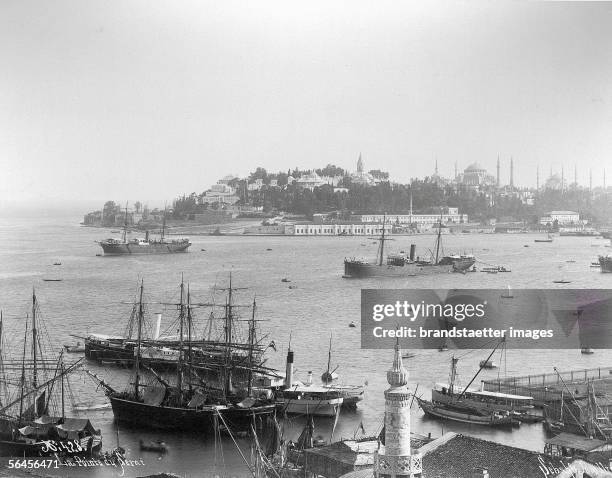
398 265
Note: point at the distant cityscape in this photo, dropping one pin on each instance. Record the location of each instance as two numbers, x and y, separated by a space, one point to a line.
332 200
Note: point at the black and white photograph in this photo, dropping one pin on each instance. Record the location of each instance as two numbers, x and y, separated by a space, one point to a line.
305 239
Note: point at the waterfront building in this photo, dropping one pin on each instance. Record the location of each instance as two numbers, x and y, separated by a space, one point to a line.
563 218
451 215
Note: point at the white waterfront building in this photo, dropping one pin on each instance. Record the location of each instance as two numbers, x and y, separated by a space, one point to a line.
451 216
562 217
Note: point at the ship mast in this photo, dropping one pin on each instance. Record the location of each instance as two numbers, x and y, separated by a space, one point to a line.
138 342
382 239
125 224
251 344
453 375
189 320
22 382
179 376
438 238
34 341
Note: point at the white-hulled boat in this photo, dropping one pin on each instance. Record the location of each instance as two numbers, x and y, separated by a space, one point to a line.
466 416
298 398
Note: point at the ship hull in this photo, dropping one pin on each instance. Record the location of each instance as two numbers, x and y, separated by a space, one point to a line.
320 408
463 416
123 248
489 407
357 269
202 420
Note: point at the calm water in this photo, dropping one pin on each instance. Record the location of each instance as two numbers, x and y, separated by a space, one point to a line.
95 295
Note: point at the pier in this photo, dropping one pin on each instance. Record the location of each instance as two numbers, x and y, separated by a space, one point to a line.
549 387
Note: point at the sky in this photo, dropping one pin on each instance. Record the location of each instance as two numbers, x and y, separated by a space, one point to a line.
147 99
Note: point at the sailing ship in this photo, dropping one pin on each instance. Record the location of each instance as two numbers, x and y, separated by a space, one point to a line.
351 394
189 403
144 246
605 263
398 265
478 407
30 422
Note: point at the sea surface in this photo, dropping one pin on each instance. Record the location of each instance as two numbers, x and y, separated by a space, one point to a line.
96 295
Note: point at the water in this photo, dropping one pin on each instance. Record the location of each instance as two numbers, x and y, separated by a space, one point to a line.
96 293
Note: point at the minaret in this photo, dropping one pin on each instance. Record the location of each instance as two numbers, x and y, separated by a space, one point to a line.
562 179
360 164
538 177
393 459
604 186
436 167
498 170
575 175
590 180
511 172
455 169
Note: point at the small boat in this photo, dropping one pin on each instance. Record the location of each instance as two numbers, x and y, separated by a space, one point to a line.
284 279
293 286
408 355
466 415
508 294
57 263
487 364
78 348
52 280
352 324
158 446
91 406
586 350
548 239
269 249
570 261
526 245
203 250
562 282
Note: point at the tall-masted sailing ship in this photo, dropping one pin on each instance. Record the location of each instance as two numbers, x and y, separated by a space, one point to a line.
33 419
186 401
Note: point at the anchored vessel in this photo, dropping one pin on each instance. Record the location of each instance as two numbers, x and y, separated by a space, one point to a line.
144 246
189 403
398 265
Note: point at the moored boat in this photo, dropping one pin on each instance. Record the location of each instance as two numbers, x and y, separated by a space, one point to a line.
466 415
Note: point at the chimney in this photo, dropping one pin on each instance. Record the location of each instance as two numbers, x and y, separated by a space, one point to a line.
157 326
289 370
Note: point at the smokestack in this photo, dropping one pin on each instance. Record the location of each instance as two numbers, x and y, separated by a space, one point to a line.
412 251
289 370
511 172
157 326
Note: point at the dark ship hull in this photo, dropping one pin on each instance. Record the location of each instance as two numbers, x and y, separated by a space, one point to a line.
605 263
361 269
111 247
203 420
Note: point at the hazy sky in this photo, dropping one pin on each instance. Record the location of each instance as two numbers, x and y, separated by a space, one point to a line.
148 99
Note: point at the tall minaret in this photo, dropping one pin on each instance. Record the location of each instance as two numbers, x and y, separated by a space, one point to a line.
393 459
590 179
360 164
604 186
498 170
562 179
538 177
455 169
575 175
436 167
511 172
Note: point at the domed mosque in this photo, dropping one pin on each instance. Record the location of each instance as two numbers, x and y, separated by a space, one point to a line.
476 175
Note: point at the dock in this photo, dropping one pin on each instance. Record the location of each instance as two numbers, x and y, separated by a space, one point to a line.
549 387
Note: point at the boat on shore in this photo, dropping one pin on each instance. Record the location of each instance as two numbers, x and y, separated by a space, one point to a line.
144 246
400 265
547 239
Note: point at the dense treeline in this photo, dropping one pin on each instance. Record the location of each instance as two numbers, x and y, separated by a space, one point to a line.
428 196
